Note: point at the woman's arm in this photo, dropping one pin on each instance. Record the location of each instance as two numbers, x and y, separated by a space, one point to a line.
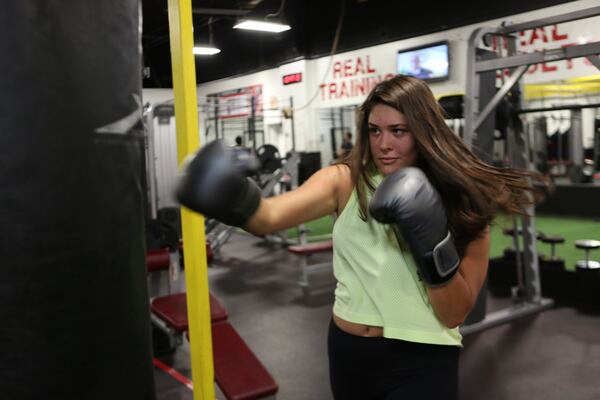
317 197
453 302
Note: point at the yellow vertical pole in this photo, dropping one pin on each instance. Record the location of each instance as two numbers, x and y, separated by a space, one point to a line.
194 242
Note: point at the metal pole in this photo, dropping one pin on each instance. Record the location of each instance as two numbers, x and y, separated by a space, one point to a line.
292 121
251 126
576 147
216 112
556 19
341 123
506 87
333 142
151 164
520 159
471 99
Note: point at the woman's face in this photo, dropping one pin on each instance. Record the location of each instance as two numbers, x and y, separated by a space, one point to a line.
392 144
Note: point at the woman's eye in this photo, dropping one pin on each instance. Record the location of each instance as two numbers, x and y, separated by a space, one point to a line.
398 131
374 131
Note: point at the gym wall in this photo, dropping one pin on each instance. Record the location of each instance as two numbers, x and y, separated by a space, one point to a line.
374 63
345 79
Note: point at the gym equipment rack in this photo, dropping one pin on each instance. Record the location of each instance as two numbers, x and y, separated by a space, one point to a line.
481 99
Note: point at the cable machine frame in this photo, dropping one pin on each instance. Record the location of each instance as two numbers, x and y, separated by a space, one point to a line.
481 99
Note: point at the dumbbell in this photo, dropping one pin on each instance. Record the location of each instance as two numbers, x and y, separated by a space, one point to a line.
587 265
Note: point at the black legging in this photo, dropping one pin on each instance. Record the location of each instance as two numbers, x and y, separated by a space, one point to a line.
365 368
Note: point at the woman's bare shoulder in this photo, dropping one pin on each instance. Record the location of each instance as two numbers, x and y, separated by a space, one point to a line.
339 174
344 185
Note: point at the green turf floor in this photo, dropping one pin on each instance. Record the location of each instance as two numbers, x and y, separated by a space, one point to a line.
318 229
570 228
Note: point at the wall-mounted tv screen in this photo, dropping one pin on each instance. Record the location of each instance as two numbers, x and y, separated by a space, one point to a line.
430 62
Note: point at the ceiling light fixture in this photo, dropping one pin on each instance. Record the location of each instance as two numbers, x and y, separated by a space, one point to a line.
255 25
208 49
276 25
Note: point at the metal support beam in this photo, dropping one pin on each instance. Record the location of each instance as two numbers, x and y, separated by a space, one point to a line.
558 108
561 53
509 314
594 59
512 80
556 19
471 99
219 11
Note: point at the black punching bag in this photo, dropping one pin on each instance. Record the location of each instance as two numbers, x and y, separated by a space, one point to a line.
74 318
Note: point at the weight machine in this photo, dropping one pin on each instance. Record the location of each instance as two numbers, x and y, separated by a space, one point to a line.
578 170
480 101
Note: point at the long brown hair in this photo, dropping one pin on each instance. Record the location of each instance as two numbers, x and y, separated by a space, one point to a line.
473 192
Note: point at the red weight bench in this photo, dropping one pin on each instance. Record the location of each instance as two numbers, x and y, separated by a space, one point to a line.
172 309
238 372
169 314
305 251
157 260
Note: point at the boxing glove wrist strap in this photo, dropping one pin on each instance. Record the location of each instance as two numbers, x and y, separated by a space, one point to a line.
445 258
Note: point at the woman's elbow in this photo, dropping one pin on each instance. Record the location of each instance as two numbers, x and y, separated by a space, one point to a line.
257 228
452 323
456 318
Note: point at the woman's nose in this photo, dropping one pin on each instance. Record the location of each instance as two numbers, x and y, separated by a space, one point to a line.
385 142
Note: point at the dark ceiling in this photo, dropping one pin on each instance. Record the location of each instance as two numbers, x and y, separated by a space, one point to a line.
314 22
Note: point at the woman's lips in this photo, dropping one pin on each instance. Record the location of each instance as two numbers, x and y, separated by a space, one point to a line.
387 160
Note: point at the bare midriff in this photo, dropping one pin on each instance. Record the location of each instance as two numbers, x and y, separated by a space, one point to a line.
352 328
358 329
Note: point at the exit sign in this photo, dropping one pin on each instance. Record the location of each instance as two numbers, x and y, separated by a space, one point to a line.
292 78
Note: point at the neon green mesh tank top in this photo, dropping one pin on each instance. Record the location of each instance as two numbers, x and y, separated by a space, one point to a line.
378 285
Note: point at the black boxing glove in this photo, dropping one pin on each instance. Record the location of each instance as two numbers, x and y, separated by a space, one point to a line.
407 198
214 182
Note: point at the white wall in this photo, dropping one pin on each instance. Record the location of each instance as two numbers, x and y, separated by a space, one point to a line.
275 97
